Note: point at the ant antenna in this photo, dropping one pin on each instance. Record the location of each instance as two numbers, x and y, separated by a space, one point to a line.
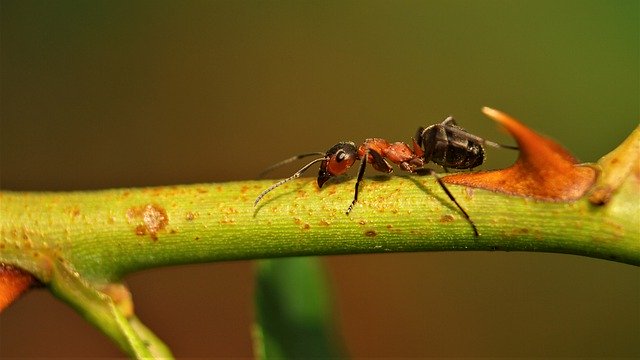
294 176
286 161
426 171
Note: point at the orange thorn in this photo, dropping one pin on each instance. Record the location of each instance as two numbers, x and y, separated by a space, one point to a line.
544 169
13 282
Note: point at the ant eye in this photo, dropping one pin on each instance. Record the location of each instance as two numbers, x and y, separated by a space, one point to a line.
340 156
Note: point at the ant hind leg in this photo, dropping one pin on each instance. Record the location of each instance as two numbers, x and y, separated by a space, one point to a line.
426 171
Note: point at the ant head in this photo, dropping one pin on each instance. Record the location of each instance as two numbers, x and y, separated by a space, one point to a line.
337 161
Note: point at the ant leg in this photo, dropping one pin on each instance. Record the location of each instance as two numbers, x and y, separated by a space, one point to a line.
449 121
363 164
425 171
379 163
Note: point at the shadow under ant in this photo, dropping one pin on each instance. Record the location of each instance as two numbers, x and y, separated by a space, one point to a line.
429 192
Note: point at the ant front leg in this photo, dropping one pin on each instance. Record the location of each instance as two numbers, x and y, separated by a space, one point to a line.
363 164
378 160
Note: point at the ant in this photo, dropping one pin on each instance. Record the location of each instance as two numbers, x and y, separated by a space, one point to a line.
445 144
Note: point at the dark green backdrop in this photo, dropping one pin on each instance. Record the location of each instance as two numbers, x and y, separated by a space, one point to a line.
99 94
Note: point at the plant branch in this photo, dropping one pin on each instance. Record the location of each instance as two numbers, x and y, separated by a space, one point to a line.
105 235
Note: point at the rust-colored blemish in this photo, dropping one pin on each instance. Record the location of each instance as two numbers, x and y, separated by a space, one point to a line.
229 210
141 230
297 221
191 216
202 190
362 222
446 218
370 233
153 217
244 189
544 170
74 211
13 283
324 222
306 226
227 220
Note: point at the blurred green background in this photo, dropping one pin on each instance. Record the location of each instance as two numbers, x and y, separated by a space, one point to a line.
101 94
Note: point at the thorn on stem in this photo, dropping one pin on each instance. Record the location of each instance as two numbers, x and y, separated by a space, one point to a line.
544 169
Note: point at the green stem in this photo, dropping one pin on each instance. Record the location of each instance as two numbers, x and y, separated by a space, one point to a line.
105 235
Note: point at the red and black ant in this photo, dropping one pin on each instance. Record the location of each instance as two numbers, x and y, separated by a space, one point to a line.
445 144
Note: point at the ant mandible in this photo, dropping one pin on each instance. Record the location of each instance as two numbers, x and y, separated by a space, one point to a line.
445 144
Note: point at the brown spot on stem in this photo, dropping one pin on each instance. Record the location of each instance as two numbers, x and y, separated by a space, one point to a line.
13 283
141 230
370 233
191 216
74 212
151 218
446 218
544 170
229 210
227 220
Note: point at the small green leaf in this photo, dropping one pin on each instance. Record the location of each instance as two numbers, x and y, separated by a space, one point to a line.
293 311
